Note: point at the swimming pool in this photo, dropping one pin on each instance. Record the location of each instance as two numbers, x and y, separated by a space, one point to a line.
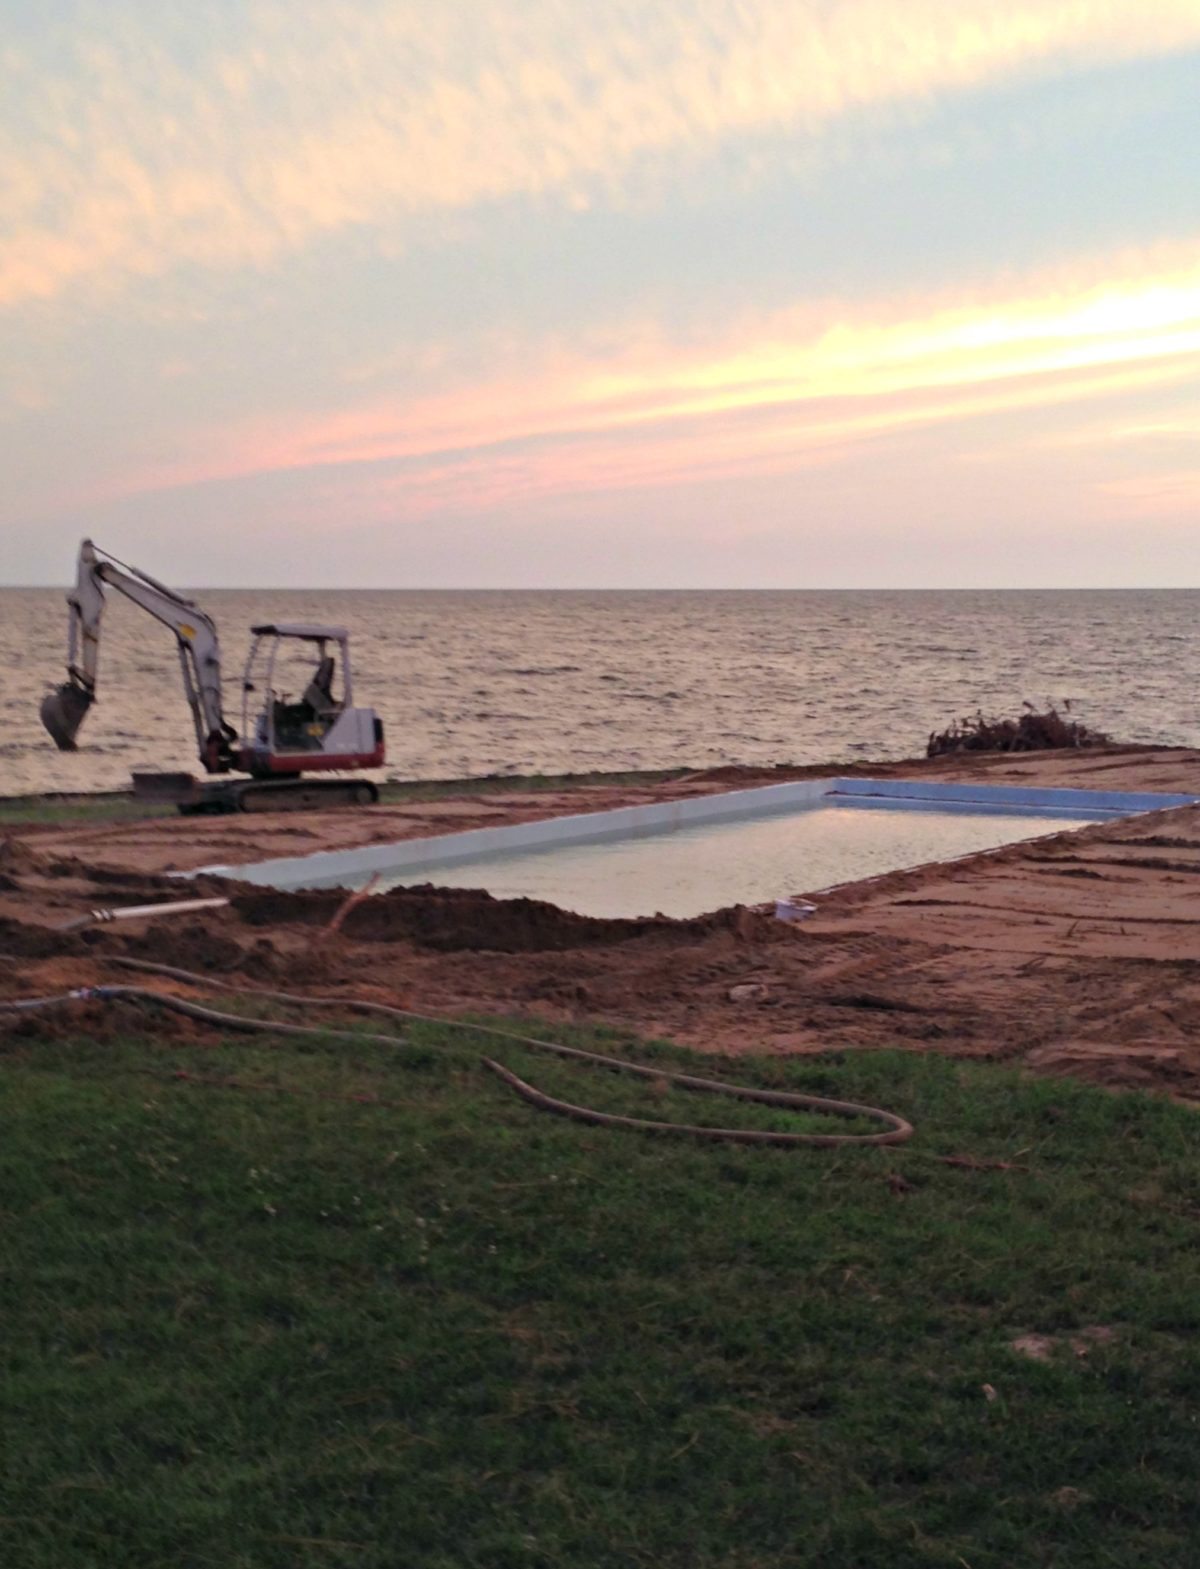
702 853
691 870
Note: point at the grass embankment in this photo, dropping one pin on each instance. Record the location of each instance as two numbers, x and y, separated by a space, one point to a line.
18 811
280 1326
111 806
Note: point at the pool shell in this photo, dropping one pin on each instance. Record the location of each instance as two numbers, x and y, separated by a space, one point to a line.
455 856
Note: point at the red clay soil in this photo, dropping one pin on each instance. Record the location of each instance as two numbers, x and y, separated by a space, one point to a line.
1077 954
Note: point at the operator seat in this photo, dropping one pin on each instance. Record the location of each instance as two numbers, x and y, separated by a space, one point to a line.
318 694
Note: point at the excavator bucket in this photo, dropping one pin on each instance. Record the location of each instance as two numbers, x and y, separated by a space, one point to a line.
63 712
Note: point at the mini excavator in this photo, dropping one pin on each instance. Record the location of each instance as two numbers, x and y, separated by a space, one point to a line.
281 741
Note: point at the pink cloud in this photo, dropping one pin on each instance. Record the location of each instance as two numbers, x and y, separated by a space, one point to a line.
126 151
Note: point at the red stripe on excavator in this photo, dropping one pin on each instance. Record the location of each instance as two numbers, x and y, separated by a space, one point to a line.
310 762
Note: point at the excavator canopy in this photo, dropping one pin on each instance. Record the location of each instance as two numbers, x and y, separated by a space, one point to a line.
305 629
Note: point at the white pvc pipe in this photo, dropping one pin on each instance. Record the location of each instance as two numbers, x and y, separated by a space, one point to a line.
135 911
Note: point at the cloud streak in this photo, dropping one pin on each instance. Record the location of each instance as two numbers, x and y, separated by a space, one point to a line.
176 146
772 393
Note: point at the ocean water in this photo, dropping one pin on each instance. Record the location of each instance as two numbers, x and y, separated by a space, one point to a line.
472 683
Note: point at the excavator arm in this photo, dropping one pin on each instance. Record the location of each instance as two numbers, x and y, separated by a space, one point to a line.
63 711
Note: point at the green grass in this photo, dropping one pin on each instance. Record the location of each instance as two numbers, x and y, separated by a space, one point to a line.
116 807
492 784
279 1327
17 810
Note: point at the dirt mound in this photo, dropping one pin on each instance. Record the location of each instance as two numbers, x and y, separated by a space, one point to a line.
15 859
132 886
36 942
195 945
463 919
130 882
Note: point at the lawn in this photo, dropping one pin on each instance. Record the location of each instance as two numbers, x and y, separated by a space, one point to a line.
362 1307
110 806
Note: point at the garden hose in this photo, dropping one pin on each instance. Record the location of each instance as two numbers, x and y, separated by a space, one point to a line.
897 1129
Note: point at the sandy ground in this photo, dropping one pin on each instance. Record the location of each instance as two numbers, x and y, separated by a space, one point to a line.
1077 954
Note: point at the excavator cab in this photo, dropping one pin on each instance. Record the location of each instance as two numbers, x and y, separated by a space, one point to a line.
297 703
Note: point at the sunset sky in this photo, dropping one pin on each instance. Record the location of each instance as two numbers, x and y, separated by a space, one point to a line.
572 293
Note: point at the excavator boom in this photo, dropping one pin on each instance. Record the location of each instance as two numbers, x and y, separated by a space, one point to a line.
64 710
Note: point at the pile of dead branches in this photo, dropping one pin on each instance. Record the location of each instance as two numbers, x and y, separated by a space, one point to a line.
1032 731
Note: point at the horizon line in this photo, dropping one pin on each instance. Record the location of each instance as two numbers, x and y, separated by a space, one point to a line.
519 588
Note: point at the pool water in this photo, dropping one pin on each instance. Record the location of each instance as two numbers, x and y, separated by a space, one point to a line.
691 870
